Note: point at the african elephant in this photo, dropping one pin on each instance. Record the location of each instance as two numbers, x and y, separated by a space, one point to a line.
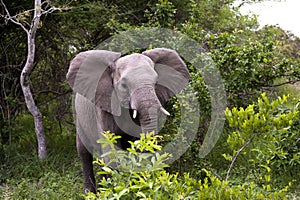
121 94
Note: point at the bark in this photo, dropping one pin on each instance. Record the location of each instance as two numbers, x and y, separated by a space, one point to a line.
25 83
25 74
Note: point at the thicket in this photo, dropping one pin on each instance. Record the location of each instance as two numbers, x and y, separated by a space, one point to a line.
144 176
257 155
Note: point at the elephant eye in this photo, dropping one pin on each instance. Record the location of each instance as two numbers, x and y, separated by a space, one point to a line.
123 85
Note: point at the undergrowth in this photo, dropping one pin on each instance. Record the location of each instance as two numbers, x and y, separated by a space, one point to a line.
24 176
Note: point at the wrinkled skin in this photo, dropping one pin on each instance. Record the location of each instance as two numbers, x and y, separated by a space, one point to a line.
123 95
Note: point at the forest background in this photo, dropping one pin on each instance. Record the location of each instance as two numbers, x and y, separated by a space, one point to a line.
258 153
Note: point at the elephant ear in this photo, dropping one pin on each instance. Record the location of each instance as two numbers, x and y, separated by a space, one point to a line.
90 75
173 74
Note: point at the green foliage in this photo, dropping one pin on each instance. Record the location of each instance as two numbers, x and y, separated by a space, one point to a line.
214 17
51 185
245 64
263 138
133 161
24 176
151 181
162 14
249 60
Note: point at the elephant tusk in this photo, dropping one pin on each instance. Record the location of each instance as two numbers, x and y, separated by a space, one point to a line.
164 111
134 114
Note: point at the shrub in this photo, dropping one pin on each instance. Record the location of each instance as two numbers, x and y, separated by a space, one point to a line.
264 140
143 176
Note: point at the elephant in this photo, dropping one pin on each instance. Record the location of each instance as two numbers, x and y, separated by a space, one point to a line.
120 94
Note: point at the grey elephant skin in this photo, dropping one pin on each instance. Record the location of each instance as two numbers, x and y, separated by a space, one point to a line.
121 94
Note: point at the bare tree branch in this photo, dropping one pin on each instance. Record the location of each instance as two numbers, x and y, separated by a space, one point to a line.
13 19
235 157
284 83
53 92
55 97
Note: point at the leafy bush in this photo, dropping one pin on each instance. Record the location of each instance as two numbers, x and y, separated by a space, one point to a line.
264 141
143 176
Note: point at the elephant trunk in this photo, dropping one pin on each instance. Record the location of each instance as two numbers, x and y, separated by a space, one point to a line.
150 122
145 101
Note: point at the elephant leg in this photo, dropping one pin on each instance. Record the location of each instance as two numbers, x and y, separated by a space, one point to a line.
87 166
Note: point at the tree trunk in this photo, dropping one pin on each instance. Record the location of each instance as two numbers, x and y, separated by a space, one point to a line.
25 83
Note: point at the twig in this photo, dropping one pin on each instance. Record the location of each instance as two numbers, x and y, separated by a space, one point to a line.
53 92
43 12
235 157
13 19
284 83
53 98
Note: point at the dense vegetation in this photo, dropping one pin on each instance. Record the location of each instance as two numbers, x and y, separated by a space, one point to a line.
257 155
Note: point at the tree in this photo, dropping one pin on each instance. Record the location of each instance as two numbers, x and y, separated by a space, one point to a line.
31 29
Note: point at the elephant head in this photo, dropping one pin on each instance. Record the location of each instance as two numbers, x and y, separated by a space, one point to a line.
138 82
